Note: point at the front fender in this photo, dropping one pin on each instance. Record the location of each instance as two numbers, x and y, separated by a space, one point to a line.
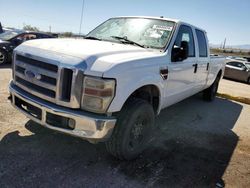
125 87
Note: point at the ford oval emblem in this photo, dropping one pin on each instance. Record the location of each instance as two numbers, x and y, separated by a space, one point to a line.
31 75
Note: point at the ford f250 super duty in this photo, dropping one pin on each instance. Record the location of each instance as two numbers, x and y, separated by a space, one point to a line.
110 85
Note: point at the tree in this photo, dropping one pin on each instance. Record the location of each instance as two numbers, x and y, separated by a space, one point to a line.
30 28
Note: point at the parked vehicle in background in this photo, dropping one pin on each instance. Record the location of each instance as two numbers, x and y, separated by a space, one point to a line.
247 58
236 58
1 28
238 70
110 86
8 29
11 39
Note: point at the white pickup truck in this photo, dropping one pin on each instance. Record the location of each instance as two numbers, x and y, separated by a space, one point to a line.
111 85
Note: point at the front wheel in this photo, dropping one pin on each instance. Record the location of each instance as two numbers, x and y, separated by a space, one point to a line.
3 57
132 131
210 93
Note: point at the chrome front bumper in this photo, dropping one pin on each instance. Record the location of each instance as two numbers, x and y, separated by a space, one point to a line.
86 125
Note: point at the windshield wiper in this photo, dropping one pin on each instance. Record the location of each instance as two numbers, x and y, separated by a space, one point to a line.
126 40
92 38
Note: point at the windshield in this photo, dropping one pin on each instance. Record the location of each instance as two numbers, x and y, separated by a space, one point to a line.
150 33
9 35
247 65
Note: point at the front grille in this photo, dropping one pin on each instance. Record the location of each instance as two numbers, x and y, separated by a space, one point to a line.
43 80
37 63
36 88
48 81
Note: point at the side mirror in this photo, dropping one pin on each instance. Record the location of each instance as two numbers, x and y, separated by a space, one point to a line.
180 53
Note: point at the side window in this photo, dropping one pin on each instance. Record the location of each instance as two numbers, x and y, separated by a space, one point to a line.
29 37
236 64
185 34
202 43
240 65
231 63
41 36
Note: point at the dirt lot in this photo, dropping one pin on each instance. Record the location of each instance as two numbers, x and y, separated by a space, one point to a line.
197 144
234 88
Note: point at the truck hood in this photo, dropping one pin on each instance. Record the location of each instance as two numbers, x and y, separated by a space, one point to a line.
90 55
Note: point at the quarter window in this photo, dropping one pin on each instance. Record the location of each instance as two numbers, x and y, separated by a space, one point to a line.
202 43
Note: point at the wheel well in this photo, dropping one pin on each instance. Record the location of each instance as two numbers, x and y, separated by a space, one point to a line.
219 74
148 93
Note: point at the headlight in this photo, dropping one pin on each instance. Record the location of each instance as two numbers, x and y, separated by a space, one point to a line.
97 94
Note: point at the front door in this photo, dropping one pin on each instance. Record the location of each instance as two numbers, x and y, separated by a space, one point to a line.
180 82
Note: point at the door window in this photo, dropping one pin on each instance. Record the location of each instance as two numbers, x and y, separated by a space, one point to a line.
26 37
185 34
236 64
202 43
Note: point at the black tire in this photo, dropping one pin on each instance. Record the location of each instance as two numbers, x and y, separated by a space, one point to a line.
210 93
132 131
3 57
248 80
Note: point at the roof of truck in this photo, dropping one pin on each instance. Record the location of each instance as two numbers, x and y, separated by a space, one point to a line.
162 18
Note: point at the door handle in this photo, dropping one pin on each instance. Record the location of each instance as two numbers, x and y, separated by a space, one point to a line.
164 73
207 66
195 67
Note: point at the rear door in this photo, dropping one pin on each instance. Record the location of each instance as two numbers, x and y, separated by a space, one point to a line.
180 82
203 62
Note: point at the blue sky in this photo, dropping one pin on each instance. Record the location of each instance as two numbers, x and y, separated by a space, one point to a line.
220 18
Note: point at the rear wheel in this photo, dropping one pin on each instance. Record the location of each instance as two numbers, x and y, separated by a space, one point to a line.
210 93
3 57
132 131
248 80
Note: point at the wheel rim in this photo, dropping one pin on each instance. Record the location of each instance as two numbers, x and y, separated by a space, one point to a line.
2 57
137 133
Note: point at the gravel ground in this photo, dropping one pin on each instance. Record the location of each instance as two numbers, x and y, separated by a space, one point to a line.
197 144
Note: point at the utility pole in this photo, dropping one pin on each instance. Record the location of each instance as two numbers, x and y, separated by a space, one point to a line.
50 28
81 18
224 45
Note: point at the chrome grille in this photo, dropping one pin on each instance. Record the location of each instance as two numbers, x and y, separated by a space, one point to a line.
48 81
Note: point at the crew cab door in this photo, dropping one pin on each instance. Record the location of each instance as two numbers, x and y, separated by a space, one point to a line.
181 74
203 60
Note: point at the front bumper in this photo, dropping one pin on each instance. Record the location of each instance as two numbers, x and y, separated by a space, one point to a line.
85 125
